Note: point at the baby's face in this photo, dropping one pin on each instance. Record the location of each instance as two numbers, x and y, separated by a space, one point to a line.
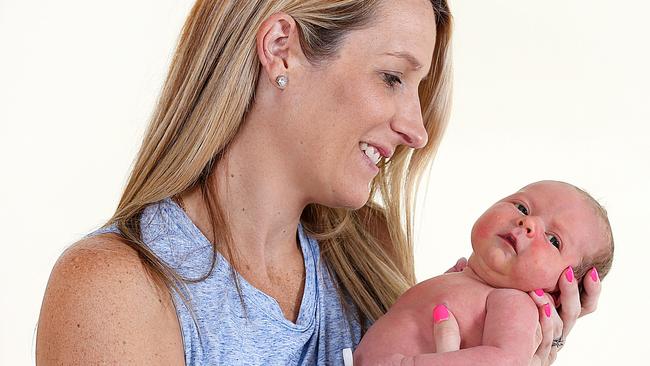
526 240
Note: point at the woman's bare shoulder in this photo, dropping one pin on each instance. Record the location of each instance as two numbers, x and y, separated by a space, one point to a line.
100 306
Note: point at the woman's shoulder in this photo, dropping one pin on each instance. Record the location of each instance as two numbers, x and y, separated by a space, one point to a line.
101 304
100 260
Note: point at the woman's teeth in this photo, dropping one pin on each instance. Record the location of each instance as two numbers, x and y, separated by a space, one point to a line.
370 152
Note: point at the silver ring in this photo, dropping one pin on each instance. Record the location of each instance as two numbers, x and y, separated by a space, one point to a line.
558 342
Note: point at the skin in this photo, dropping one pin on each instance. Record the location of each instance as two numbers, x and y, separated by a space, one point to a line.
554 227
496 317
298 145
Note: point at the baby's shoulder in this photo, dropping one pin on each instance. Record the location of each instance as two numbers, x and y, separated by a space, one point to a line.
507 293
447 288
510 298
450 283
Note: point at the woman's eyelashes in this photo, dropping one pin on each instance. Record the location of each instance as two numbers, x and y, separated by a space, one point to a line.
391 80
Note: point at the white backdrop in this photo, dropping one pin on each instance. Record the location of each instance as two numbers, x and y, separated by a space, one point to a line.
543 90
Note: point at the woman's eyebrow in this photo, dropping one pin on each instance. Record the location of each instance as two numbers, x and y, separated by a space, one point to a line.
415 64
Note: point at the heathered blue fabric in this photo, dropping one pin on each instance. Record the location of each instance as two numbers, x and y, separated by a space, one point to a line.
262 336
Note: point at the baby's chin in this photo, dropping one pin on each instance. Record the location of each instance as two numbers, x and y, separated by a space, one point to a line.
528 284
499 274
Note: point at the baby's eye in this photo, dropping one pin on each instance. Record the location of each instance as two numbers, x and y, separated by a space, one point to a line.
553 240
522 208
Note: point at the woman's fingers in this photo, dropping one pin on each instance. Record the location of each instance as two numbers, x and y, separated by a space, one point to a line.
591 293
570 301
459 266
446 333
550 327
572 305
544 349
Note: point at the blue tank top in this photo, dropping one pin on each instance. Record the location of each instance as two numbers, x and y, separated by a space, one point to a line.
260 335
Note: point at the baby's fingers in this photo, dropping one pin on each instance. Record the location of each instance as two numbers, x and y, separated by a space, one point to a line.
459 266
446 333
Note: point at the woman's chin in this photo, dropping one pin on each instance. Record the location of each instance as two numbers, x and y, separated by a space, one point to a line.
352 200
352 204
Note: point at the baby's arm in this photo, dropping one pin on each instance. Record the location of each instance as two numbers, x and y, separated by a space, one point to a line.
508 335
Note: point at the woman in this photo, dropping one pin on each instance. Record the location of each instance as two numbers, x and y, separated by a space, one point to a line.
277 122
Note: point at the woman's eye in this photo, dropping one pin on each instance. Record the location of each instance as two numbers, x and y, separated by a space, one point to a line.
391 80
553 240
521 208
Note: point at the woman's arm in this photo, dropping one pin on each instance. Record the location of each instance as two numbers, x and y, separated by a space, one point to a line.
100 306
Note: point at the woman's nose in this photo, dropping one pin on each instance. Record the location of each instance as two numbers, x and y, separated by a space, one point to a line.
410 126
530 225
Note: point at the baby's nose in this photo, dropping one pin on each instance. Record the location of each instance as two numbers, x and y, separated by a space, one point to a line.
528 225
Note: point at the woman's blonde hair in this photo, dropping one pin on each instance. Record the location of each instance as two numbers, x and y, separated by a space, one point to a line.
208 90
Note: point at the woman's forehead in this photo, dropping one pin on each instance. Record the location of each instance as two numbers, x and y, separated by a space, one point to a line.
401 27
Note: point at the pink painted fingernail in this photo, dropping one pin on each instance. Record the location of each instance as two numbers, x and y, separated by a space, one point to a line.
539 292
594 274
440 313
569 274
547 310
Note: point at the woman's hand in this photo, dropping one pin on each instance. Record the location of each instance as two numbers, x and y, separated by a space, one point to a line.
446 334
554 325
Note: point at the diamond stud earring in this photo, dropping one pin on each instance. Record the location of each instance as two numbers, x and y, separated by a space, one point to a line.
282 81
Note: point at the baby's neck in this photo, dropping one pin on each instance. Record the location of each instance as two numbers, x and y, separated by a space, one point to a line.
482 275
470 273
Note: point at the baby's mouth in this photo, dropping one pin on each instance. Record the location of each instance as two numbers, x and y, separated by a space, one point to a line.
510 239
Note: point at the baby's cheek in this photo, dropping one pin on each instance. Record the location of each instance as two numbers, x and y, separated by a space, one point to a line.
534 275
480 230
546 276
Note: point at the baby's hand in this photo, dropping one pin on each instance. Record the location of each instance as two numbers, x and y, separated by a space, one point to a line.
459 266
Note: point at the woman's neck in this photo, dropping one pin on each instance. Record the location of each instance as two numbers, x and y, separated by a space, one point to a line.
259 197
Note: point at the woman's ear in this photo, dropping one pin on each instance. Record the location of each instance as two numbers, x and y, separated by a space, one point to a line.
278 46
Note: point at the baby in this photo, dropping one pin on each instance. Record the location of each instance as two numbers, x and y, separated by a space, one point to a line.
522 243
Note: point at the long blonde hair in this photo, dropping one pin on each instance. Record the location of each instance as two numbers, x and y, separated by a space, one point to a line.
207 92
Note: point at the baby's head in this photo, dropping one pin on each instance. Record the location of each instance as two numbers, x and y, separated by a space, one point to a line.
526 240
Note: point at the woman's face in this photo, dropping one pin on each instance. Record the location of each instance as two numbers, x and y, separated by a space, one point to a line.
368 94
